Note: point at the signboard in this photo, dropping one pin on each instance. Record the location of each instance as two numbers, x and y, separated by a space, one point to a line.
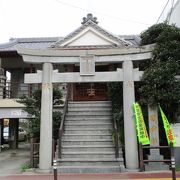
140 125
176 130
87 65
6 122
16 112
169 133
13 113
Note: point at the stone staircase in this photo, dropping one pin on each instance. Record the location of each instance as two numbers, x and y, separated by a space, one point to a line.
87 145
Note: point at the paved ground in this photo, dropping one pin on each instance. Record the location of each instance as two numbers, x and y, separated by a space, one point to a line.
11 162
125 176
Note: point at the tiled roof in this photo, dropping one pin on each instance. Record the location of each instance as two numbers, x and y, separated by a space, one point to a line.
32 43
90 23
133 39
43 43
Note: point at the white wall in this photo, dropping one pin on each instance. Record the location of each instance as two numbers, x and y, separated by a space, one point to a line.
171 15
175 15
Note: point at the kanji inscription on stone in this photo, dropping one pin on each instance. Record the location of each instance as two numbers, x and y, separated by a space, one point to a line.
87 65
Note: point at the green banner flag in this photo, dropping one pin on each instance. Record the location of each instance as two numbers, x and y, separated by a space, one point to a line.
140 125
169 133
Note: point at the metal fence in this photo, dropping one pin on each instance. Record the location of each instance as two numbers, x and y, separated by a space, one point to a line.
16 89
171 161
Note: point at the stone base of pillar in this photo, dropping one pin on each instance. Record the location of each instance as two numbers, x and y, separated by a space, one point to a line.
1 134
44 171
177 155
156 166
132 170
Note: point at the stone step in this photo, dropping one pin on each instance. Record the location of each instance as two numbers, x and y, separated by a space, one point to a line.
89 103
87 145
89 132
88 125
90 162
86 137
91 108
76 128
88 121
87 142
88 155
88 118
89 149
77 162
82 109
90 169
90 113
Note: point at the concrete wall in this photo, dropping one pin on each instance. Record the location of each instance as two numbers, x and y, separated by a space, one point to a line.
176 129
172 16
175 15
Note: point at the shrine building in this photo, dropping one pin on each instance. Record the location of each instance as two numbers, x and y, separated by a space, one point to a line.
81 64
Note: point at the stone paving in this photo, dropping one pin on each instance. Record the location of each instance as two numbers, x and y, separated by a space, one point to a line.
11 161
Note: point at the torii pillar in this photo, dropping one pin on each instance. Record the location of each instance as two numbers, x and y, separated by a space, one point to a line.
131 149
45 158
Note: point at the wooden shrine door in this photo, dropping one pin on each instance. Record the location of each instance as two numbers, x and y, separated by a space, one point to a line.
90 92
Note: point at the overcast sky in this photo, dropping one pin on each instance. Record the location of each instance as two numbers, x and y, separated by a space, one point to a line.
48 18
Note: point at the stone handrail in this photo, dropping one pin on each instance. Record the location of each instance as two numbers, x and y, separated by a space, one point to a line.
116 137
61 129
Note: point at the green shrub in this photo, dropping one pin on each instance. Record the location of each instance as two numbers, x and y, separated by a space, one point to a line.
33 107
25 167
159 84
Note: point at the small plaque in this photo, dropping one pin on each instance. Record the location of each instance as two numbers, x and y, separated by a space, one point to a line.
16 112
91 92
87 65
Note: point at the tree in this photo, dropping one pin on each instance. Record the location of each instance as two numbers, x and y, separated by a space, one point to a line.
159 84
115 93
33 107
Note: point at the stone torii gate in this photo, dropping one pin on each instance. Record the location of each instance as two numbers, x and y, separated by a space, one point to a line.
87 60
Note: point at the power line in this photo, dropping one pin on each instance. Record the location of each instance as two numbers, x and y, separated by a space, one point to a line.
107 15
162 11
